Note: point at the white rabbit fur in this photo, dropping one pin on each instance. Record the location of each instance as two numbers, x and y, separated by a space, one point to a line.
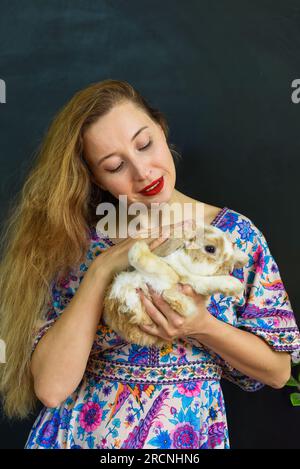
183 260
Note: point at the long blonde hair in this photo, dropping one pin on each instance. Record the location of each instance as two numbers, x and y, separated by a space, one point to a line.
47 230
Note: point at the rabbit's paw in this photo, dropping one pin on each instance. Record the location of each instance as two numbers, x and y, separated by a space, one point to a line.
232 286
181 303
133 309
137 252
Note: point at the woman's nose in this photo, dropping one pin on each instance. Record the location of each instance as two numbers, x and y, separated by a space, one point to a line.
141 172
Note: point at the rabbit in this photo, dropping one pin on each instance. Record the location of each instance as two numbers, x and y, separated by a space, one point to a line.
203 259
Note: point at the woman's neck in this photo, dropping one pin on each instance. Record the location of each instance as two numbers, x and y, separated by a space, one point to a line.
178 208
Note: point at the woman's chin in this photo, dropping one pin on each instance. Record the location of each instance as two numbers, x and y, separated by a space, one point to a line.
161 198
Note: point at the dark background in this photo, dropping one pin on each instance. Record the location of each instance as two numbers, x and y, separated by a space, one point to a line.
222 73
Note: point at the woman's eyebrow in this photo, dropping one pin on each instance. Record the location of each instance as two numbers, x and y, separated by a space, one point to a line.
113 153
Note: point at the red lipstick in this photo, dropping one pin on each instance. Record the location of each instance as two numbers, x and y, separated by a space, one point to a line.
158 183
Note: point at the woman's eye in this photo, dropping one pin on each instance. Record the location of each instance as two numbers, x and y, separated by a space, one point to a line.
117 169
120 166
146 146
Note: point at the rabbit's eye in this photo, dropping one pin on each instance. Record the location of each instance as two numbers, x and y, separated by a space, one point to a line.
210 249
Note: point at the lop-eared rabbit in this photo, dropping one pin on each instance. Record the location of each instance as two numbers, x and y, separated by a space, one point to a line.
203 257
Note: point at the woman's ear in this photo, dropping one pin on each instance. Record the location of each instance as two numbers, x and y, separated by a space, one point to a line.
168 246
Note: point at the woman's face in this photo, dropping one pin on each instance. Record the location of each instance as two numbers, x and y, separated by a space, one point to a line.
137 157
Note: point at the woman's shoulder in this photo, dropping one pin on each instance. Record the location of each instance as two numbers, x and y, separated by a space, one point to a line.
234 222
215 215
239 227
226 217
211 212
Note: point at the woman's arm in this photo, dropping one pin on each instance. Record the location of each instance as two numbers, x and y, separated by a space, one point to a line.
60 357
59 360
246 352
243 350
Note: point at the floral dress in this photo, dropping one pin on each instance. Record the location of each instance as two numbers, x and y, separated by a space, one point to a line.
132 396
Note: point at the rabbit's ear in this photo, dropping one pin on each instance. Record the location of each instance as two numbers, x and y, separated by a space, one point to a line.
240 258
168 246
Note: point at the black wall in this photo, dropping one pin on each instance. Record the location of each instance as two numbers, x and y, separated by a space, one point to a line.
222 74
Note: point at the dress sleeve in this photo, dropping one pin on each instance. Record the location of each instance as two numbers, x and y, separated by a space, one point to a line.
266 310
61 294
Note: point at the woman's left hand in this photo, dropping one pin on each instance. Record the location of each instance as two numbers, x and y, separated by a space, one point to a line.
168 324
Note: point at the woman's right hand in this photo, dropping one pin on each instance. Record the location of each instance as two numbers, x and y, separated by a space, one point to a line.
115 259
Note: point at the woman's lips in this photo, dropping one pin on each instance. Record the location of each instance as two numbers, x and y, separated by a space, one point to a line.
156 189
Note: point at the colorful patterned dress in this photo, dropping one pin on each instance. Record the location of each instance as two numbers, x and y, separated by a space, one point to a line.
147 397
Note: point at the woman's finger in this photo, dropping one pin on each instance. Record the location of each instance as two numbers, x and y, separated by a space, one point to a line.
157 242
187 290
156 315
149 329
167 230
173 318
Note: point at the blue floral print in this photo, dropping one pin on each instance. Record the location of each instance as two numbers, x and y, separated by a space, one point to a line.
170 397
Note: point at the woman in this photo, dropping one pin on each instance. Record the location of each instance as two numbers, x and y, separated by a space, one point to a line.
99 391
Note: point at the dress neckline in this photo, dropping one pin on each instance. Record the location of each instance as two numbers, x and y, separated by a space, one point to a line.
214 222
219 216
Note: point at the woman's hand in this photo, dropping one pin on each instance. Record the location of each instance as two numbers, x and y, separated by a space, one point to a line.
115 259
168 324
